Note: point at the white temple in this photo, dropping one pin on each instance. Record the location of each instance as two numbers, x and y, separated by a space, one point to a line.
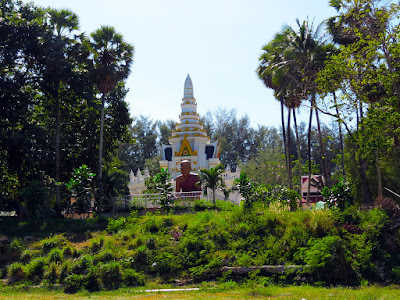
189 141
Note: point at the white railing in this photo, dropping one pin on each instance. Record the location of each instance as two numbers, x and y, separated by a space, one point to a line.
139 201
153 200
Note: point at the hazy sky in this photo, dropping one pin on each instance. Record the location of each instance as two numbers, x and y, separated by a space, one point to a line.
217 42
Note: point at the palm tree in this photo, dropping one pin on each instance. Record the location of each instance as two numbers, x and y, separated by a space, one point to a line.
212 179
63 22
277 72
290 65
112 61
311 51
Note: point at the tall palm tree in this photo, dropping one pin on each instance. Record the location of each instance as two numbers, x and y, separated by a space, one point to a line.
290 65
63 22
277 72
213 179
310 49
112 60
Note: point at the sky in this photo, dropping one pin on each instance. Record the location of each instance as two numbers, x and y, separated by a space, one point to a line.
217 42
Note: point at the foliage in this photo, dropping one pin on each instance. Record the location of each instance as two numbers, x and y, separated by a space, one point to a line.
49 109
73 284
16 272
246 189
35 270
160 183
266 194
115 225
340 195
35 196
212 178
338 247
80 187
110 275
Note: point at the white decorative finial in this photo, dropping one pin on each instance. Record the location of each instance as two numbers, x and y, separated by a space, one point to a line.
188 91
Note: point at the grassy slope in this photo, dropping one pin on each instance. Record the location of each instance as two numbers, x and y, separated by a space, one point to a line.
192 248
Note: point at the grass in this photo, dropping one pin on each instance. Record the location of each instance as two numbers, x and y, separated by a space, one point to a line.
270 292
157 251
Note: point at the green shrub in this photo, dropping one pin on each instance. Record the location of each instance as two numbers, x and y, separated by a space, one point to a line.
96 244
65 270
34 195
167 264
83 265
116 224
153 224
140 259
73 284
326 261
35 269
91 282
103 256
168 222
200 205
16 272
53 242
55 255
51 273
340 195
395 274
132 278
27 255
69 252
17 245
110 275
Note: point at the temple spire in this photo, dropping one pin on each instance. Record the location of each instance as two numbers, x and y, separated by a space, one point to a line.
188 90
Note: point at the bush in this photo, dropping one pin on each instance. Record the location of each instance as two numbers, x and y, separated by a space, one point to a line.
51 243
110 275
83 265
55 255
65 271
15 272
140 259
200 205
131 278
167 264
91 282
51 273
326 261
116 224
96 244
340 195
103 256
34 194
35 270
73 284
70 252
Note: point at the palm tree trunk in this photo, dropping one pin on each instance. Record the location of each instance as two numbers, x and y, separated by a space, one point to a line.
322 147
284 133
309 156
340 135
289 159
58 192
298 154
100 176
213 193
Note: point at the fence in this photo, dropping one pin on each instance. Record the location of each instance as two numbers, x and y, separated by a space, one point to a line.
139 201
